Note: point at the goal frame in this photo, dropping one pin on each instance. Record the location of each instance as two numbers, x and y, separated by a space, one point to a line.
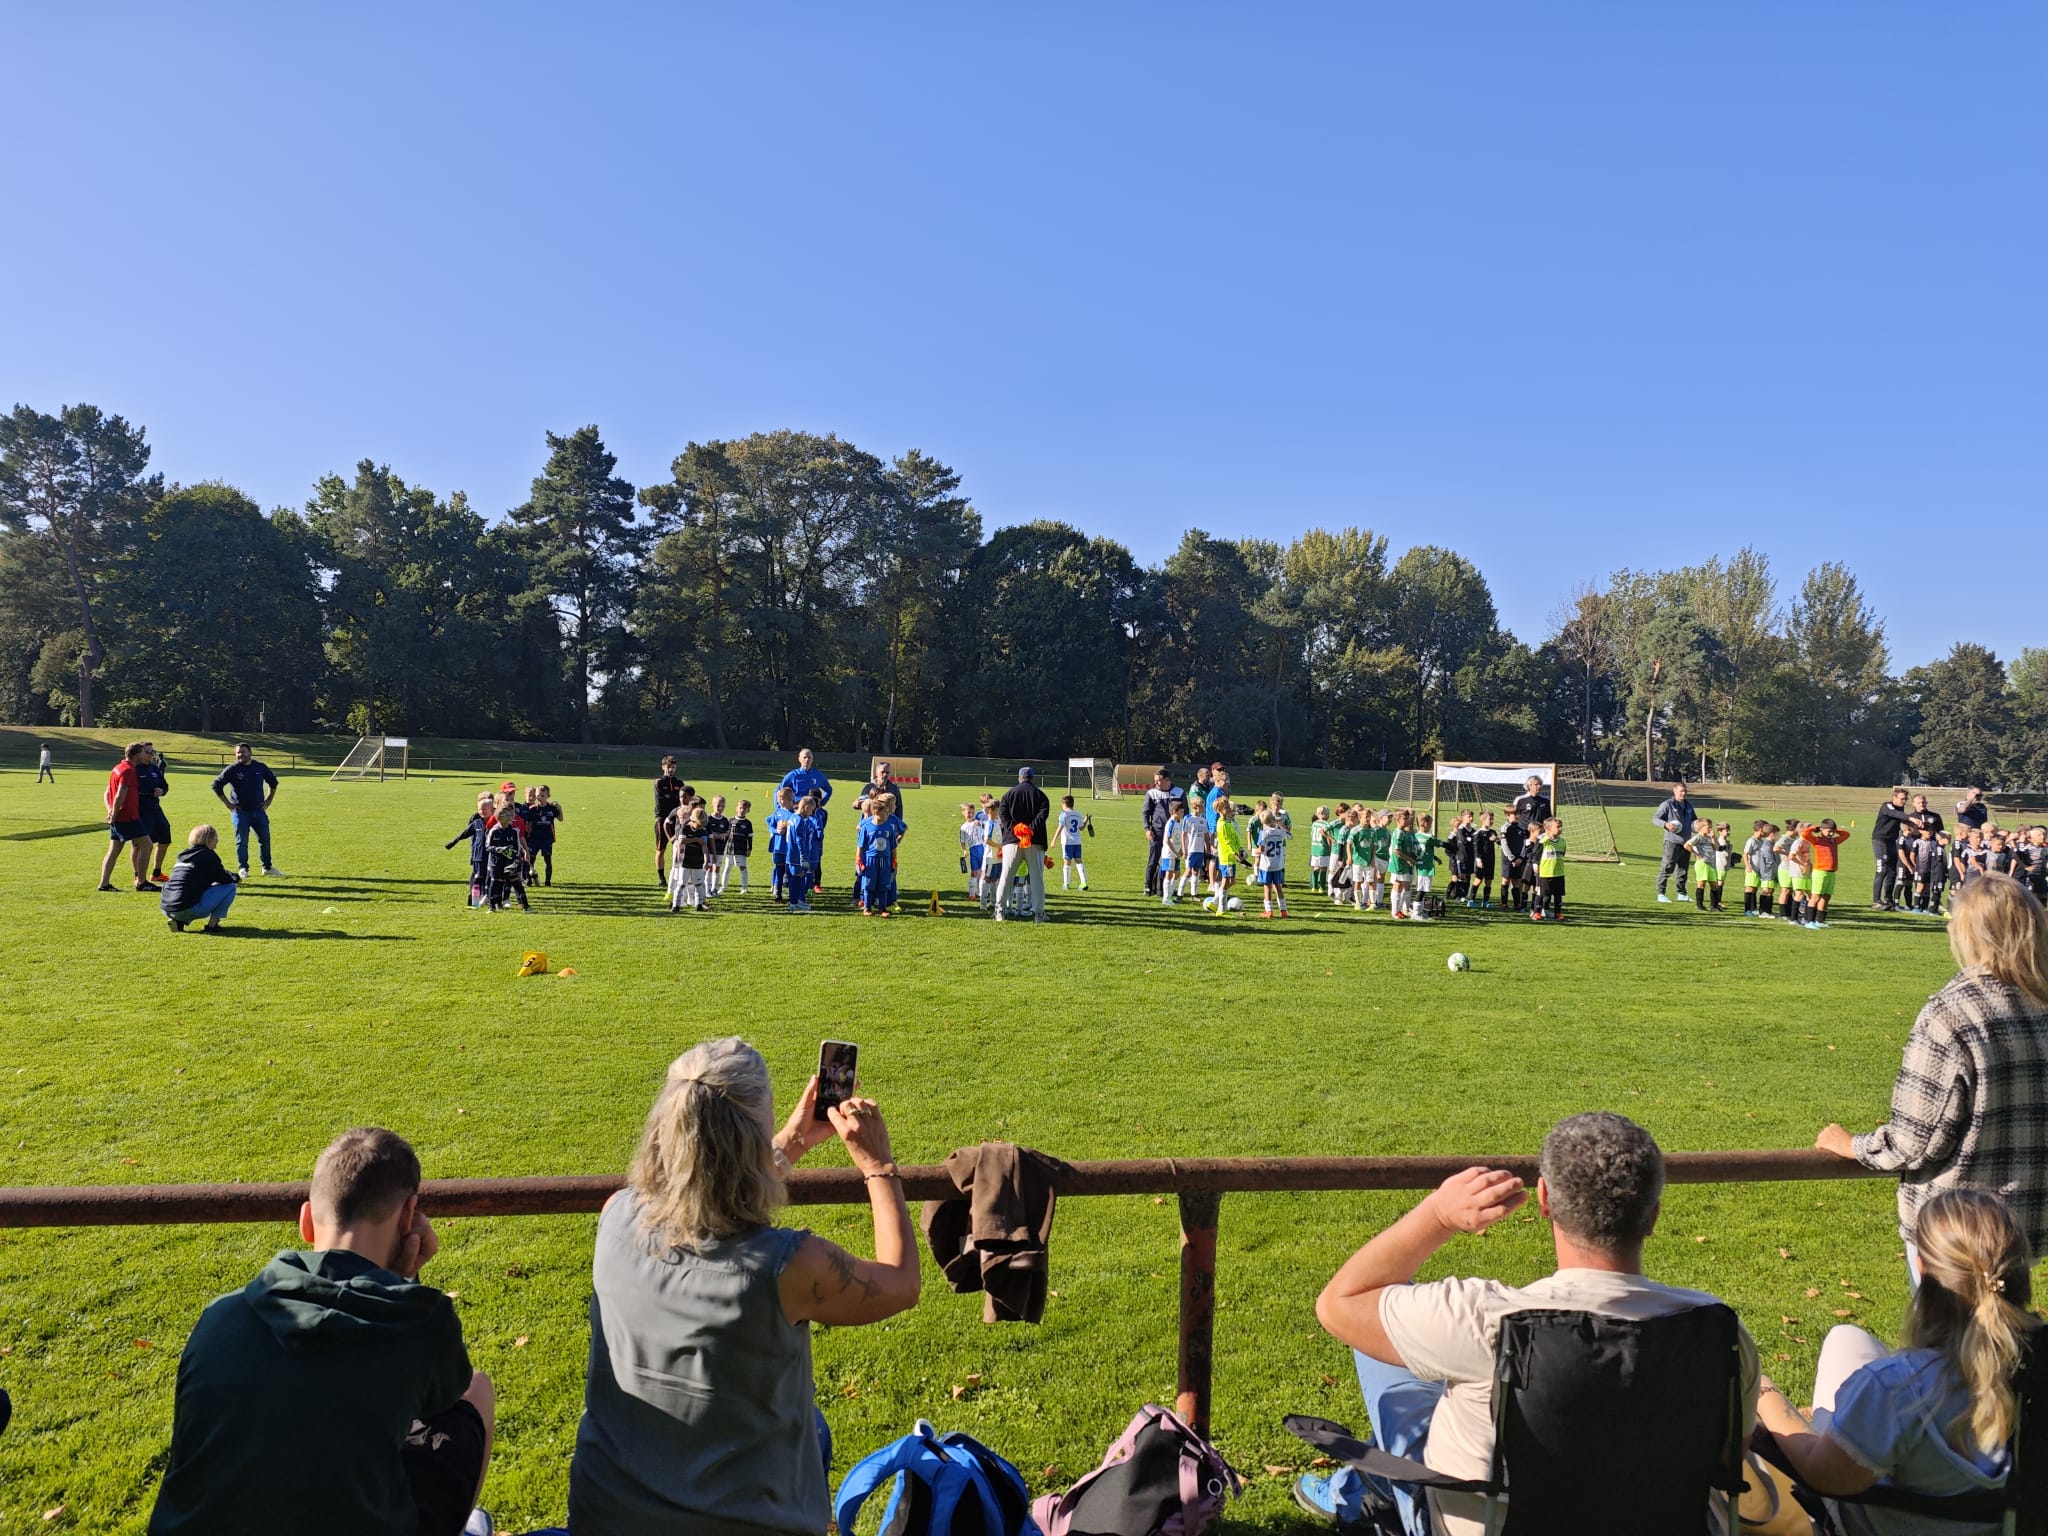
372 754
904 772
1515 774
1102 776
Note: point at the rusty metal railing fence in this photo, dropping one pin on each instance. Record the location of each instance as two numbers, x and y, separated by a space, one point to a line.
1198 1183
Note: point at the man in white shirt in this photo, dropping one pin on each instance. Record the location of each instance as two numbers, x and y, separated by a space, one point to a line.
1425 1352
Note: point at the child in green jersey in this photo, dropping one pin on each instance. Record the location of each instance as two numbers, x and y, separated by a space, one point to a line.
1319 850
1550 873
1426 845
1230 853
1405 849
1379 853
1700 844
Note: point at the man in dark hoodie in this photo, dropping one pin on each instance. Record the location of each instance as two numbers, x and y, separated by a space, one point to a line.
332 1393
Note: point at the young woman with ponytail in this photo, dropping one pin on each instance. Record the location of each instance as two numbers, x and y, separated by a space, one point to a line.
1936 1416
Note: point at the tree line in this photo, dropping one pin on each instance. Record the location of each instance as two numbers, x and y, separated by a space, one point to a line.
788 588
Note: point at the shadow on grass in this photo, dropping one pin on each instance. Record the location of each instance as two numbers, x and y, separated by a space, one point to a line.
42 832
238 932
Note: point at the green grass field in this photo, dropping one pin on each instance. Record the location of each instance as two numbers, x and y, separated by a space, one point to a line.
361 989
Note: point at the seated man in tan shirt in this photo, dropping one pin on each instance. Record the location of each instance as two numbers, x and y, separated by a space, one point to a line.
1425 1352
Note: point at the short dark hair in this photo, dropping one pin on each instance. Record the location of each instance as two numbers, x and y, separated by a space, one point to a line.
241 744
1605 1175
364 1175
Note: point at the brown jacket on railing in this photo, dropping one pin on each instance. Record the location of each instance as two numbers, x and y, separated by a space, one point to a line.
992 1236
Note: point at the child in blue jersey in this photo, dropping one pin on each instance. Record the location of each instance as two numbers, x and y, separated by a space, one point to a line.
1067 834
777 821
805 835
881 834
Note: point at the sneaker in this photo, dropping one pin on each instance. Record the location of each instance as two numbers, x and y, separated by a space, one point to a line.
175 925
1343 1498
1535 917
242 873
144 885
273 871
1663 900
479 1523
106 887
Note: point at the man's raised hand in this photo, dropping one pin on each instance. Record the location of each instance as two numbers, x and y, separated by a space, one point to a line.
1475 1199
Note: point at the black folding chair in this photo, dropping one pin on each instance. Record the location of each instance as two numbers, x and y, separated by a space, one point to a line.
2020 1508
1620 1426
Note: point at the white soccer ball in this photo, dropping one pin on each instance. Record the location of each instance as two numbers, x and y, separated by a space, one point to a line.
1459 961
1208 903
1236 903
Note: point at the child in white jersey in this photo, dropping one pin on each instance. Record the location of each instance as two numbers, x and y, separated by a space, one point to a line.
971 850
1194 849
1270 866
1067 833
1169 850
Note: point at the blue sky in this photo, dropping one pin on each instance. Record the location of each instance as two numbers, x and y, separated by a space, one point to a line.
1563 287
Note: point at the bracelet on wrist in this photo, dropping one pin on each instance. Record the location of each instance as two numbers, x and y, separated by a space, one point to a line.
886 1171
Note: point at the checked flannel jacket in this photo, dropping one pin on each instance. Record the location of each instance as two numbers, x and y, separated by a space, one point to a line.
1970 1106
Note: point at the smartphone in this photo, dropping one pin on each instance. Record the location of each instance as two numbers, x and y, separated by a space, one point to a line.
837 1064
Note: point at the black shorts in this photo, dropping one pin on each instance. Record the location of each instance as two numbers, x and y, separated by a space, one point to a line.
128 831
660 835
159 824
444 1462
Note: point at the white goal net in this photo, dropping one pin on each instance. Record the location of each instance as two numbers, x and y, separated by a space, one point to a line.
375 757
1097 774
1574 796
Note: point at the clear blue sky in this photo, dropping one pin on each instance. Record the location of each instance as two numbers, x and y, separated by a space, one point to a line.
1563 287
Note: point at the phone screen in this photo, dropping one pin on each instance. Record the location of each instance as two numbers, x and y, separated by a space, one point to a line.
837 1061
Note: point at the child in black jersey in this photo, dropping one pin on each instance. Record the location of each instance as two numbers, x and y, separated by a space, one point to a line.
718 847
742 844
542 815
479 826
1485 855
505 861
1515 842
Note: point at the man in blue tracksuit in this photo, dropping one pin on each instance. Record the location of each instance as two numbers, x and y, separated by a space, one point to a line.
254 786
803 780
152 777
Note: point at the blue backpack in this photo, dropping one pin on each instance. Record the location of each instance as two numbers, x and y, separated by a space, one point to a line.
941 1485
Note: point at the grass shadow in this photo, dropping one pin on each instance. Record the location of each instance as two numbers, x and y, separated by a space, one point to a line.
43 832
240 932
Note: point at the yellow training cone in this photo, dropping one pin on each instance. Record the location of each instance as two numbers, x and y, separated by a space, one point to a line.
532 963
935 910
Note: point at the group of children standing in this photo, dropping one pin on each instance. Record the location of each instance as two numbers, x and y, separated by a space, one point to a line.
508 839
1209 838
706 848
981 847
796 847
1367 859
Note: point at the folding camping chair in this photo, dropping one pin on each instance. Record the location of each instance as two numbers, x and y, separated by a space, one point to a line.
2020 1508
1608 1425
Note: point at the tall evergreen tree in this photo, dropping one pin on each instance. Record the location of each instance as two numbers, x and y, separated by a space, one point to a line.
582 539
77 480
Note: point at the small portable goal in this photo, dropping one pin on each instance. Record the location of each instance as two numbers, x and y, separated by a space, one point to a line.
374 757
1099 775
1447 788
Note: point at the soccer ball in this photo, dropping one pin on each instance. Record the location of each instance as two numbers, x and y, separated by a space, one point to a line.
1236 904
1459 962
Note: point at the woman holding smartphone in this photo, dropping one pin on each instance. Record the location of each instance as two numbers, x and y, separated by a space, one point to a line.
699 1411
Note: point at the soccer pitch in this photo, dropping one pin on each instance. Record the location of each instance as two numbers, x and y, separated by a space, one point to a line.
361 989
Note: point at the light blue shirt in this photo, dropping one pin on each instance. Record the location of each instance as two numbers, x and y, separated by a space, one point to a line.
1892 1416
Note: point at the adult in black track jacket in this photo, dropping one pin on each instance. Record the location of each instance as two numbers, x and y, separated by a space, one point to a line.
1024 806
199 889
1892 819
1158 809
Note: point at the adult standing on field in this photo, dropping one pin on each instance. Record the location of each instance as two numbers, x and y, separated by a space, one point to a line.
1158 810
1971 811
668 795
1970 1104
1533 808
153 774
246 787
1024 806
43 768
125 826
1675 817
1892 819
807 779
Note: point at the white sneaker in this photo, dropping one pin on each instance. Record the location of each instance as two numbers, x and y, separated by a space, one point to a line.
273 871
479 1524
242 873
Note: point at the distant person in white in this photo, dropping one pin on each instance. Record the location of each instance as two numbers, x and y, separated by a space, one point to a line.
43 768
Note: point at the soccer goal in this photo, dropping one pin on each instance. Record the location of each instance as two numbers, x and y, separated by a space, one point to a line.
375 756
904 772
1098 774
1447 788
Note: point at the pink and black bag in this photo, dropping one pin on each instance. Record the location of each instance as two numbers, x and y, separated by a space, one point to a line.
1159 1479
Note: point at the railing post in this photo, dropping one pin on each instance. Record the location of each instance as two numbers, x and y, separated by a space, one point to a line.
1198 1214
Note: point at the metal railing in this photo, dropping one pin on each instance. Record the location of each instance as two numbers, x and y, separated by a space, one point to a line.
1198 1183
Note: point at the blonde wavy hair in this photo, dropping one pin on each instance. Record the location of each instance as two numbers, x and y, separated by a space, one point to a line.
1976 1283
706 1167
1996 925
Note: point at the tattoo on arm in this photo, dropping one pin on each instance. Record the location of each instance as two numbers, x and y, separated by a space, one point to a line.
843 1266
